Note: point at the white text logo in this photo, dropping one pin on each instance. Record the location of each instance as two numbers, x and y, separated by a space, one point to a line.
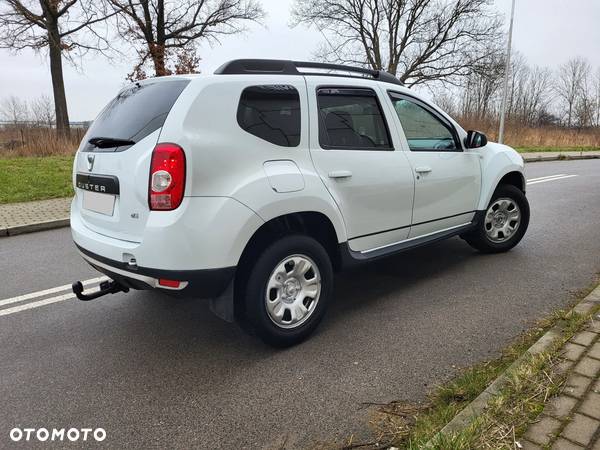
57 434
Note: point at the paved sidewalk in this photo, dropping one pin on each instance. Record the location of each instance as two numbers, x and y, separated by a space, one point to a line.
571 420
16 218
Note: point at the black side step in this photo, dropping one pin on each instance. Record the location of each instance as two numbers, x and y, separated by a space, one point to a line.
106 287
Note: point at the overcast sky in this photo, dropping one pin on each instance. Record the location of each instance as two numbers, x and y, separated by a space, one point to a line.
547 32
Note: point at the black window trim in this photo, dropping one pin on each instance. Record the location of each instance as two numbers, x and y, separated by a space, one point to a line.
445 122
258 137
354 91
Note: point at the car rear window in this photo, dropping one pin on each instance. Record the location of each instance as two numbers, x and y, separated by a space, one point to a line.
272 113
135 112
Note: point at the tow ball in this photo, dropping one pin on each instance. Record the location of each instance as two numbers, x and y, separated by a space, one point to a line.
106 287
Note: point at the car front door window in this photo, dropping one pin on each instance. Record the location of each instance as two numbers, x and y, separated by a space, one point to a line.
423 130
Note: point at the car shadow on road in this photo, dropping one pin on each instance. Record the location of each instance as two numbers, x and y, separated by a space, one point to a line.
375 281
357 290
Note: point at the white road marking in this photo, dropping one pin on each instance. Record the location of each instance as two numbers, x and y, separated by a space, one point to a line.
37 294
47 301
551 179
548 176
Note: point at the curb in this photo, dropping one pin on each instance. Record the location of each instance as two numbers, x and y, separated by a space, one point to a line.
477 406
559 158
36 226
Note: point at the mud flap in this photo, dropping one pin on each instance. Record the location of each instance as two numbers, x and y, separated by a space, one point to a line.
222 306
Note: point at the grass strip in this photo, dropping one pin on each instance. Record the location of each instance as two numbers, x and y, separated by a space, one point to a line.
507 415
520 400
35 178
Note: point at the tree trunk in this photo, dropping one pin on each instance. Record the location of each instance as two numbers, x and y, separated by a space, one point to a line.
58 84
157 52
393 68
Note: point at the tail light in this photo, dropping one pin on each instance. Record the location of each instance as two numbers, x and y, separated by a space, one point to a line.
167 177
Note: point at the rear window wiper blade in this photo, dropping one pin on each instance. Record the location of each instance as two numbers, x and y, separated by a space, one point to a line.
107 142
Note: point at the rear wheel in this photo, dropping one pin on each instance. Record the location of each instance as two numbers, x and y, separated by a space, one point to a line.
287 290
504 223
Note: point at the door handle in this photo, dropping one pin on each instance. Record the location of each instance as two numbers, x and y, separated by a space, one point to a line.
340 174
423 169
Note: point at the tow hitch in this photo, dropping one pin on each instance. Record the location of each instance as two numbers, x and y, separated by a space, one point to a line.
106 287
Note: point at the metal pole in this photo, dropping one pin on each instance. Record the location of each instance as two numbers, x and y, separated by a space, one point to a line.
506 73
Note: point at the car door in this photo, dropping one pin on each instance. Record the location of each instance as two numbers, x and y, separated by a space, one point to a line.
447 177
356 158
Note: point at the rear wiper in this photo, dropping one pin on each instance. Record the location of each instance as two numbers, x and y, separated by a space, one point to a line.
106 142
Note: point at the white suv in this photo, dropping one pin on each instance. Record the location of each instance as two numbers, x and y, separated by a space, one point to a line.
253 185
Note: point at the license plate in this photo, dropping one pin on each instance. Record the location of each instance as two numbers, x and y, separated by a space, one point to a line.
100 203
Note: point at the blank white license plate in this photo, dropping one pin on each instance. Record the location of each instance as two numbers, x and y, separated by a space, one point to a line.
100 203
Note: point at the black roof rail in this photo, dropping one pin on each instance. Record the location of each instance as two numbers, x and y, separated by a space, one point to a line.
287 67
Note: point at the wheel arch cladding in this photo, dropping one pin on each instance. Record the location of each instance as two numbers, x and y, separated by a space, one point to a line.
515 179
314 224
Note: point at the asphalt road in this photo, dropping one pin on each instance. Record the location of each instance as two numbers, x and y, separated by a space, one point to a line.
157 372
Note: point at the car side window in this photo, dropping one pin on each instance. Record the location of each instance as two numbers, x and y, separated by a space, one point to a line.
351 119
424 130
271 112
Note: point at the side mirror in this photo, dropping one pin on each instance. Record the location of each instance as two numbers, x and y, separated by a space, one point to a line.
475 139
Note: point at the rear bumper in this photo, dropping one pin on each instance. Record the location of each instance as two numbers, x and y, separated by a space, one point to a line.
203 233
205 283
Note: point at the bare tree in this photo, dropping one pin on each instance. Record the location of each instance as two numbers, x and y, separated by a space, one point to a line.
14 110
528 92
446 100
518 72
416 40
585 105
57 25
481 87
569 84
536 99
165 33
42 111
528 100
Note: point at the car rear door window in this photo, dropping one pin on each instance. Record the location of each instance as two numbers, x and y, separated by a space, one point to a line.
351 119
424 130
135 112
272 113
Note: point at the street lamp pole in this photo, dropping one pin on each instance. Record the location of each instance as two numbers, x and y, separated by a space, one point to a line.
506 73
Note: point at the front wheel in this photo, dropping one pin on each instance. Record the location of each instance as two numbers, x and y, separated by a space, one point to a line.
504 223
287 290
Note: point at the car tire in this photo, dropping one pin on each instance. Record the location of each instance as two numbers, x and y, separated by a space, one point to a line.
287 290
504 223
